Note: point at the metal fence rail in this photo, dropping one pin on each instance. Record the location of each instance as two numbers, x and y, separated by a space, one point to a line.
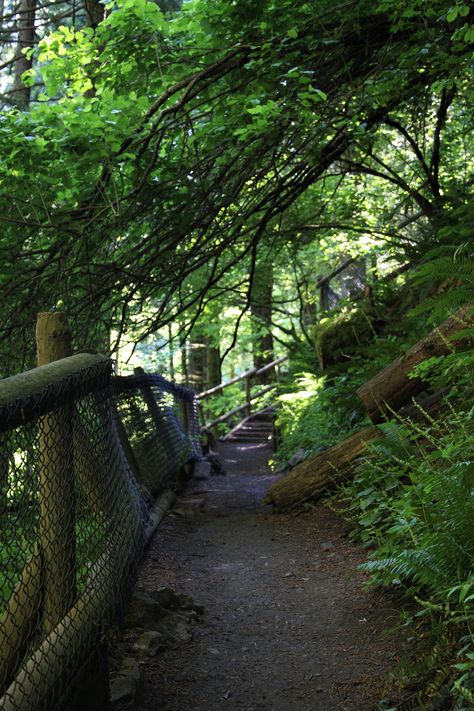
77 449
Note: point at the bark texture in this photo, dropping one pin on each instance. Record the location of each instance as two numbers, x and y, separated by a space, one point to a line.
312 478
392 387
26 39
261 308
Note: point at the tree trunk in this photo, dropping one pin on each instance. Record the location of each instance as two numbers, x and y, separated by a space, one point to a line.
214 374
392 388
26 39
425 409
197 365
261 308
95 13
170 351
312 478
213 355
184 358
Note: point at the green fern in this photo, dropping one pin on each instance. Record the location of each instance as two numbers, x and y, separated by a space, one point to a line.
446 275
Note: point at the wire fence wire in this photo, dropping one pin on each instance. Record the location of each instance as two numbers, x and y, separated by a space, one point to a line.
350 283
74 498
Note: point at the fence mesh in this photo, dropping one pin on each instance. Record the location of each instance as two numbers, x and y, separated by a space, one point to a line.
161 423
72 514
348 284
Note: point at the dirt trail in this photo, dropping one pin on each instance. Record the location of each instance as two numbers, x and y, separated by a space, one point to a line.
287 627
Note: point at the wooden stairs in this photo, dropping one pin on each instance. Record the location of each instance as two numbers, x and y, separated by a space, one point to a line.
256 428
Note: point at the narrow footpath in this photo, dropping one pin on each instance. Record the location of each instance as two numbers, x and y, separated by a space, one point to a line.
287 625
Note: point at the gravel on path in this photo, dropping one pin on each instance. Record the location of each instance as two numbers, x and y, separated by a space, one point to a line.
288 625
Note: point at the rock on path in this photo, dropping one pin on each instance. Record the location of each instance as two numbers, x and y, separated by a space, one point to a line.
287 623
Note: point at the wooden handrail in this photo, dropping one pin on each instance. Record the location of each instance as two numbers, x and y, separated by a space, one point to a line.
238 409
248 374
221 386
269 366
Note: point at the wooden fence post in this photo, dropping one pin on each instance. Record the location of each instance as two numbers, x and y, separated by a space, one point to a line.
56 483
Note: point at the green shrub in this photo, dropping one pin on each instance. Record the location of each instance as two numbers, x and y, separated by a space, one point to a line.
318 413
415 501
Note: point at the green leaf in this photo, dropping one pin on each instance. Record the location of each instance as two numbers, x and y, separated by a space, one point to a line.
452 14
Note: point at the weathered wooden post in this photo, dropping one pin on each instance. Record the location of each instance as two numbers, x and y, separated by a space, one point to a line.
56 483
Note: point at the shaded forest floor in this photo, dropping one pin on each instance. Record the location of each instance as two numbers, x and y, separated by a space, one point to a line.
287 623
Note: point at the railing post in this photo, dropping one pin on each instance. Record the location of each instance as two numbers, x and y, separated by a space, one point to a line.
56 483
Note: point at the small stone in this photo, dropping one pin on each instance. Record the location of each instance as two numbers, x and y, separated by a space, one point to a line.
182 632
130 667
150 643
167 598
143 611
122 688
170 600
202 470
299 456
327 546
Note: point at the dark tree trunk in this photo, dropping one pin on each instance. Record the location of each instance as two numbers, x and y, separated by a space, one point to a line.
261 309
170 352
95 13
213 354
184 360
214 374
26 39
197 366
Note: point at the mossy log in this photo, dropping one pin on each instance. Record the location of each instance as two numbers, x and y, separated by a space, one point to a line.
392 387
337 336
426 408
312 478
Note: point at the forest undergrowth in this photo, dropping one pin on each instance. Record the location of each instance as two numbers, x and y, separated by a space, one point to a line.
411 501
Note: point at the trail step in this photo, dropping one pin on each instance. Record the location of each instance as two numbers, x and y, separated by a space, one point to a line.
256 428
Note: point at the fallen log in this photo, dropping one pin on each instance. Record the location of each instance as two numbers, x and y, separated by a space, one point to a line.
425 408
313 477
391 387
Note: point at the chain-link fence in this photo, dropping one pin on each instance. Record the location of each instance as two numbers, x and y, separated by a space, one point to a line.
348 281
161 423
73 512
